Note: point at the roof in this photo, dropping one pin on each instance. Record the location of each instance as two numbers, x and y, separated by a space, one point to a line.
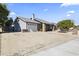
43 21
36 20
27 20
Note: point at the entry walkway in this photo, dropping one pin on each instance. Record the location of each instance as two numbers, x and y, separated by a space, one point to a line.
70 48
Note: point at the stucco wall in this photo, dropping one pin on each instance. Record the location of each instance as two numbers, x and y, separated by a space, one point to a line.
22 24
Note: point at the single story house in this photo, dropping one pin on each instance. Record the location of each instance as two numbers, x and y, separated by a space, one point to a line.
32 24
22 23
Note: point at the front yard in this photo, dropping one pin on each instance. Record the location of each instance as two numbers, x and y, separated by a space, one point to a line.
31 42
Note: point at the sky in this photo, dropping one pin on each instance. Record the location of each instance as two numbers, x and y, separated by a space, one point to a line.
52 12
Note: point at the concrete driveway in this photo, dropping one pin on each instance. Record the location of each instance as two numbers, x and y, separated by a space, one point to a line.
70 48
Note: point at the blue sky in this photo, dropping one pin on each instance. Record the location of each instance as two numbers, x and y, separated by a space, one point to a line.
52 12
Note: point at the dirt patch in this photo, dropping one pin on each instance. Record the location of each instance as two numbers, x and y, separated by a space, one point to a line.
20 44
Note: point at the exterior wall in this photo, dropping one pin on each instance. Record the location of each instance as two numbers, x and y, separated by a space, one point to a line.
22 24
32 27
19 25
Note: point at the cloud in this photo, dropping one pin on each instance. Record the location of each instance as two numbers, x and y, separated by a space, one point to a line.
45 9
71 12
12 13
68 15
68 4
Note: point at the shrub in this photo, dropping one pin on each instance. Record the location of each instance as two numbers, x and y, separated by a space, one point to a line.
64 25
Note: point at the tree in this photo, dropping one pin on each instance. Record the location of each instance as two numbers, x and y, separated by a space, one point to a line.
9 22
4 12
64 25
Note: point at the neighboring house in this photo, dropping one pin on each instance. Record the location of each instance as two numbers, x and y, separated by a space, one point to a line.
32 24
